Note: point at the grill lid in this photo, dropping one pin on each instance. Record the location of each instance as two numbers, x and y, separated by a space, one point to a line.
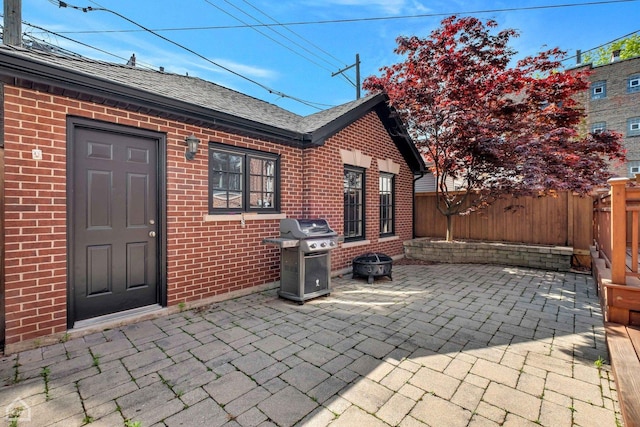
305 228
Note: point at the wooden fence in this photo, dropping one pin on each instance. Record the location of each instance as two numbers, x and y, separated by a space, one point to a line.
617 230
564 220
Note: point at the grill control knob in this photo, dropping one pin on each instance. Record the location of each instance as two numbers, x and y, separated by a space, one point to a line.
323 244
313 246
332 243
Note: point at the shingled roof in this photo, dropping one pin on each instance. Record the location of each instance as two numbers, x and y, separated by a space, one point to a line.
190 99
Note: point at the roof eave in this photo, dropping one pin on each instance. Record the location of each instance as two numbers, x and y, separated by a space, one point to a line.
18 70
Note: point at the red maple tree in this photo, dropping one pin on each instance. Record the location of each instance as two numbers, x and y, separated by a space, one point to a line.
488 128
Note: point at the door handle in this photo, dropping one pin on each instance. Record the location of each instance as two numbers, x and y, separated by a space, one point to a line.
152 234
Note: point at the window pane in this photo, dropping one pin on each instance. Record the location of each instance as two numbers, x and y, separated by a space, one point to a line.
353 204
387 207
633 84
241 179
225 179
235 163
219 161
599 90
262 183
598 127
633 126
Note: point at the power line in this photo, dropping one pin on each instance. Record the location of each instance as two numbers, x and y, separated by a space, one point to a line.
229 70
279 34
369 19
74 41
602 45
294 33
261 32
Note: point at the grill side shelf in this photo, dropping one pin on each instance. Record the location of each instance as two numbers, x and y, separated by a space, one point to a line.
281 242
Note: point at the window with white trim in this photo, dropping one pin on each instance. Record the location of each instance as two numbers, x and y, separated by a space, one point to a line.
634 168
598 127
242 180
633 84
633 126
599 89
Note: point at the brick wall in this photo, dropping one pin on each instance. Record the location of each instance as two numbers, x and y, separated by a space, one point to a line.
617 106
204 258
323 187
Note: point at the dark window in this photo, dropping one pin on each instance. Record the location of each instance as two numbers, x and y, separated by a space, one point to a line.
242 180
387 204
599 90
354 199
633 84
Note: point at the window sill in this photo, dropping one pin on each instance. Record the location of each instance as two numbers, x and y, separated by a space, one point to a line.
242 217
388 239
356 243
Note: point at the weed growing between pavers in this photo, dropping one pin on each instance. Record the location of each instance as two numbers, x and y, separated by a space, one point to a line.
16 372
14 416
45 375
96 360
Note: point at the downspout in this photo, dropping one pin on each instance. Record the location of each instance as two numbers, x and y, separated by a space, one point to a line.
413 209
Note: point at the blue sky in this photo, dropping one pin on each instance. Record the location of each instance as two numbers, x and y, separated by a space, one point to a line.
298 60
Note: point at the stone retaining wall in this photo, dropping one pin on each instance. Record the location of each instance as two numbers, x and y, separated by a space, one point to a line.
556 258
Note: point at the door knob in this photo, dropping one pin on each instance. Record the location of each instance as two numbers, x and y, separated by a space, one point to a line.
152 234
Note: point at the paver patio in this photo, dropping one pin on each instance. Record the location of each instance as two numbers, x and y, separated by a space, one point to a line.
440 345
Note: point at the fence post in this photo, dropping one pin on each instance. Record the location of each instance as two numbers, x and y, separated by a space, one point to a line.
618 230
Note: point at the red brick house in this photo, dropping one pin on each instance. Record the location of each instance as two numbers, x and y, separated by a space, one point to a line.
104 211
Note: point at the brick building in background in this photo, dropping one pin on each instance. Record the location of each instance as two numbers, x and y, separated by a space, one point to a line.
105 212
613 103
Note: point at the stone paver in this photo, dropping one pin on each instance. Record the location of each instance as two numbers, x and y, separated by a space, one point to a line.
450 345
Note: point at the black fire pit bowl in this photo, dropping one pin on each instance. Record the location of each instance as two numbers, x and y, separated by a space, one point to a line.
372 265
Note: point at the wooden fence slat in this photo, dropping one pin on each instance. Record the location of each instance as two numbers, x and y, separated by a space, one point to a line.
539 220
634 242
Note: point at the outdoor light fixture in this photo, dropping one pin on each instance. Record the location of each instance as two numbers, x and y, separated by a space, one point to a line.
192 147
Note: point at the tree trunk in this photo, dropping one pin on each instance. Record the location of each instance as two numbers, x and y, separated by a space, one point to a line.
449 228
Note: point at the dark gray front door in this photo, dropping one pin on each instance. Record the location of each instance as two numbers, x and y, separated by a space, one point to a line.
114 222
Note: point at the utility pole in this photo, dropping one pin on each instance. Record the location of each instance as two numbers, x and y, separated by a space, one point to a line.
12 34
357 83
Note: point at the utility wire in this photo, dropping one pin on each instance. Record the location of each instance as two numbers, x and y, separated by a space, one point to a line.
369 19
602 45
340 63
74 41
229 70
293 32
263 33
279 34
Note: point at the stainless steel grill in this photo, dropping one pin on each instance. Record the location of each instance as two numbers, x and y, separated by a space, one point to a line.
305 258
